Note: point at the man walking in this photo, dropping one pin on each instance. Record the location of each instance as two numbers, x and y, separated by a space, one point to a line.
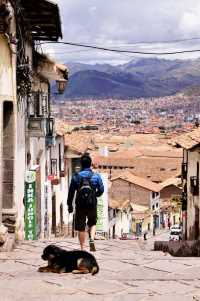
88 186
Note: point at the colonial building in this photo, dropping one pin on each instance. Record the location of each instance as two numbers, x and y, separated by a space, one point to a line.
170 202
119 218
190 143
8 108
138 191
26 123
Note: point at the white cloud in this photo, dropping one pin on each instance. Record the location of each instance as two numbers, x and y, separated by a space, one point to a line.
113 23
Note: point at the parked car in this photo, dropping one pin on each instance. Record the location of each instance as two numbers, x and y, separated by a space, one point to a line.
175 234
176 227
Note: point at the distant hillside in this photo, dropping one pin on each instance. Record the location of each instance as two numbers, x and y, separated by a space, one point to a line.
139 78
192 91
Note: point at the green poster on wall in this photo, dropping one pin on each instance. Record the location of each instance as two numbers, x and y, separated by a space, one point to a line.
102 207
30 206
99 224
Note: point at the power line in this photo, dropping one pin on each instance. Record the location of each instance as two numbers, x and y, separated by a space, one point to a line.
123 51
166 41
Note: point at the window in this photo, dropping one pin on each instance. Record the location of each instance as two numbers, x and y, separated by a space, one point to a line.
156 205
54 167
38 104
153 207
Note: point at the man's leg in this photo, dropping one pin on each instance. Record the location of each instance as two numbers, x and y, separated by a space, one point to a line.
80 223
92 219
81 237
92 232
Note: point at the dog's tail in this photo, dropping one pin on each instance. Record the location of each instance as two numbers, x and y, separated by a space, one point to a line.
95 269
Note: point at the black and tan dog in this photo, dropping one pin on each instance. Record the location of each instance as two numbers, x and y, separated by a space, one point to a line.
62 261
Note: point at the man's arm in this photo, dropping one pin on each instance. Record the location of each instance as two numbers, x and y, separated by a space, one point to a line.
100 187
72 190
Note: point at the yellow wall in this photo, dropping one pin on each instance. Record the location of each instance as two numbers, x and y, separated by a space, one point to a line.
147 220
6 72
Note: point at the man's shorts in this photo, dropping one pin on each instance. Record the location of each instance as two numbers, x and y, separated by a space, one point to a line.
81 215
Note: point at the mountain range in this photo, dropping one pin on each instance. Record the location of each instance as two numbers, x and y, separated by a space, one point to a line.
145 77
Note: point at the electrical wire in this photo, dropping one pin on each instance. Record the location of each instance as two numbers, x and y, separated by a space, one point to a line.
123 51
165 41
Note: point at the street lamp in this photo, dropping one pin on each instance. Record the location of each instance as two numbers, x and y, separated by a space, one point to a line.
61 84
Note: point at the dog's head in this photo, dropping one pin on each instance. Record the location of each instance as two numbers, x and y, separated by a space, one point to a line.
50 252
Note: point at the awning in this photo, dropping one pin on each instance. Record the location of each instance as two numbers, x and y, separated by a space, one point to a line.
42 19
49 69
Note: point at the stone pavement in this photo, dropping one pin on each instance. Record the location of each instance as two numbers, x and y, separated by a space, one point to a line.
129 270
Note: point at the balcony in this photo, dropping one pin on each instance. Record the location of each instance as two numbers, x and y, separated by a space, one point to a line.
36 126
184 171
38 105
194 186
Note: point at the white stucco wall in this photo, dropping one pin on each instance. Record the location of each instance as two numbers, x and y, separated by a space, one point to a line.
61 190
123 223
6 71
20 168
193 158
8 93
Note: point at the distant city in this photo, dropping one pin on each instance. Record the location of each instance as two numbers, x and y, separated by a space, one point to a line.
170 114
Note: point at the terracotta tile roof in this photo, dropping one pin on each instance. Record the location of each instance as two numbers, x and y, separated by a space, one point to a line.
60 127
139 208
113 161
140 215
142 182
189 140
78 142
152 168
116 204
128 154
171 181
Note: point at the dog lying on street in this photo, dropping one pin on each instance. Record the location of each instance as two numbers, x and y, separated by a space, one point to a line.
62 261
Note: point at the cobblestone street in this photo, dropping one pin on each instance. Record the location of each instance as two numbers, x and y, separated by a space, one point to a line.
129 270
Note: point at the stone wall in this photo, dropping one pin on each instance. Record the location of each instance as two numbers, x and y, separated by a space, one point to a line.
185 248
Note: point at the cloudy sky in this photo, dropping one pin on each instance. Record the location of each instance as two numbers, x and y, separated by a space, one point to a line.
121 23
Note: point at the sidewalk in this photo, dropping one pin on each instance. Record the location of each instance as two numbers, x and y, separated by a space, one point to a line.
128 272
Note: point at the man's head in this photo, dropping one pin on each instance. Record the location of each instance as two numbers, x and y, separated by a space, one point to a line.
86 161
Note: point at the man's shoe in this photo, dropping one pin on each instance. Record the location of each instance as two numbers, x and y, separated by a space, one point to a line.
92 246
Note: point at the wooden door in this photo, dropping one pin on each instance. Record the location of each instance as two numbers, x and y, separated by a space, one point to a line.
54 214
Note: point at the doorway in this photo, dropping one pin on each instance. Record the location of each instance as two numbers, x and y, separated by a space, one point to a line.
53 214
61 219
196 225
8 154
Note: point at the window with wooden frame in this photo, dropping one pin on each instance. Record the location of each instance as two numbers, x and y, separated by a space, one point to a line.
54 170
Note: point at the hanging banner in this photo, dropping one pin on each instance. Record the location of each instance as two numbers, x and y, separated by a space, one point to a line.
30 206
102 207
